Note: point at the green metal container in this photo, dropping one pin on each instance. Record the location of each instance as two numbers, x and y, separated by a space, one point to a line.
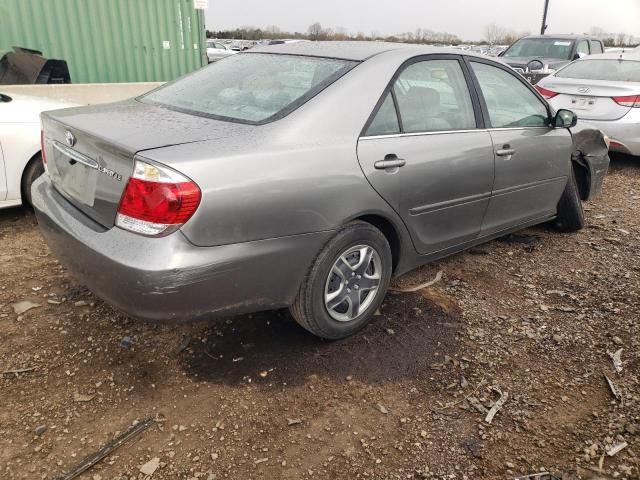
109 40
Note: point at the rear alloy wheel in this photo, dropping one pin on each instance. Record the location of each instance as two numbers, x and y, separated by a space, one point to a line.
570 212
346 283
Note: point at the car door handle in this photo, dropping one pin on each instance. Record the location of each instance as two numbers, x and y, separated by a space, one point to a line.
505 152
390 161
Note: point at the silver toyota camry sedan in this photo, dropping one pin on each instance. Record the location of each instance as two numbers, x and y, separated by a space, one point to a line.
304 176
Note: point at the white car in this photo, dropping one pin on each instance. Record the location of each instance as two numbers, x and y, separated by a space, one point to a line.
604 90
20 157
217 51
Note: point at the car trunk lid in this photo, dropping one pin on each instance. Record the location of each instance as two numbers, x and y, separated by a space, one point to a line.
90 151
593 99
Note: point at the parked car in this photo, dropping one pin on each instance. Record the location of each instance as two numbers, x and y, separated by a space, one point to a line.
304 175
549 52
286 41
20 160
604 90
217 51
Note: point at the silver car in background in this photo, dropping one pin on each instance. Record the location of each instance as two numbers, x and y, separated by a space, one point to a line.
304 175
604 91
217 51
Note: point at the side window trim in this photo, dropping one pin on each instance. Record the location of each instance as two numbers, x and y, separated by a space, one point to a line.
477 108
392 92
485 110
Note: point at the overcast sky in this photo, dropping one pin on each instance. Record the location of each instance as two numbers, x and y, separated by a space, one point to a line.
465 18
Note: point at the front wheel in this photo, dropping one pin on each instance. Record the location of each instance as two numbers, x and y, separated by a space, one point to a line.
346 283
570 212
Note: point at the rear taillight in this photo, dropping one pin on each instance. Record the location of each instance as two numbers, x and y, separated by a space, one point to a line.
628 101
44 155
548 94
157 200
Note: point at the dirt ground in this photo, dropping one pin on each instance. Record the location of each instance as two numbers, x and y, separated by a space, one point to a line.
534 316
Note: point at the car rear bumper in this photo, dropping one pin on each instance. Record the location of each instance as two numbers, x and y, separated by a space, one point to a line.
168 278
624 133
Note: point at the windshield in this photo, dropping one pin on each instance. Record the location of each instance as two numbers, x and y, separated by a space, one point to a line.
251 88
612 70
540 48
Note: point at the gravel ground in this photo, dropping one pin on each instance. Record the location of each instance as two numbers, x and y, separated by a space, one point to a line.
533 319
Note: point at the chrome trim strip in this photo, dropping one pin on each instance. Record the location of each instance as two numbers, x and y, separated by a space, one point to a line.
448 132
421 134
504 129
78 157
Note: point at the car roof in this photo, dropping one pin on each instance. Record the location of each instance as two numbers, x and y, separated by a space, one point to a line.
353 50
564 36
626 55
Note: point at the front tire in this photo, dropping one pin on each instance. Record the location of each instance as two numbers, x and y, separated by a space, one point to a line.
570 212
32 171
346 283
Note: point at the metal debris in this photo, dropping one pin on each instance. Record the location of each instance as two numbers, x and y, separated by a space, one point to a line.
17 371
616 358
475 403
498 405
616 448
437 278
538 476
91 460
614 389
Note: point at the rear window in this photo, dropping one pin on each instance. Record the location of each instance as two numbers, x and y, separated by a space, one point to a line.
612 70
250 88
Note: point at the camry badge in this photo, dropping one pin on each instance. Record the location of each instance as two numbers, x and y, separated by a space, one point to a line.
584 90
71 139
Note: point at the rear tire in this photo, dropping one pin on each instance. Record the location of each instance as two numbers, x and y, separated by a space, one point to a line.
354 266
570 212
32 171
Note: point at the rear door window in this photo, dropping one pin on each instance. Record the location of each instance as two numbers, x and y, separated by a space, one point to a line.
509 102
583 48
386 121
596 47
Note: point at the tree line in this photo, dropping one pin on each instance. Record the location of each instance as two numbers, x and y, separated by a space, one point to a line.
493 35
316 32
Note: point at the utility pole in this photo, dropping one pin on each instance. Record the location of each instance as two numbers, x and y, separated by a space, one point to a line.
544 17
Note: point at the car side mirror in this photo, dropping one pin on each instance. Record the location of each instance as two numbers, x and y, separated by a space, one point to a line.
565 119
5 98
579 55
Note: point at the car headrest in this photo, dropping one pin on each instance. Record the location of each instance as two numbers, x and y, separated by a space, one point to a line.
427 98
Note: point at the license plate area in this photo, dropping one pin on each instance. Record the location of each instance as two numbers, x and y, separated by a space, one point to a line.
582 102
76 175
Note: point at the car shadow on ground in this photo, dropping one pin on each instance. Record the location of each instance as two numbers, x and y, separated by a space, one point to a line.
411 332
621 161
